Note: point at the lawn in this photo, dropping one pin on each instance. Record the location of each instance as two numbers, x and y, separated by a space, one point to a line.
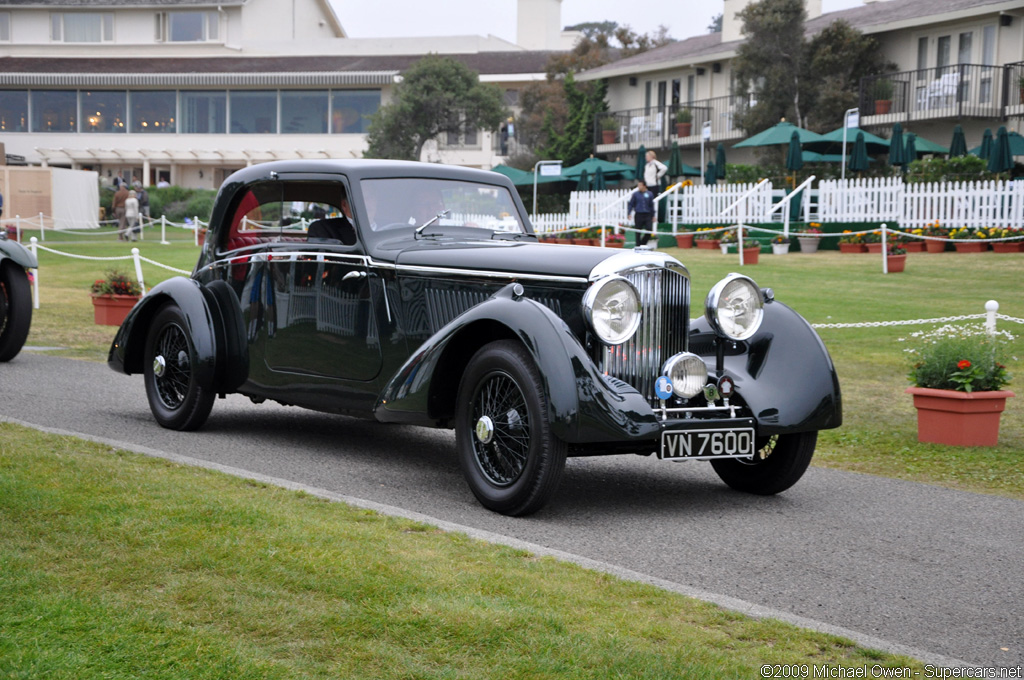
879 433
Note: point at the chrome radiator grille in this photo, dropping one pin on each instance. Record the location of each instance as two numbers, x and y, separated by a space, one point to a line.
664 298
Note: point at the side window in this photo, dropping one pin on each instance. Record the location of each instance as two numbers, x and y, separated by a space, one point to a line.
290 210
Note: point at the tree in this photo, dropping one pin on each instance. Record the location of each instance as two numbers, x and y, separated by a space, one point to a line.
716 24
770 63
573 140
437 95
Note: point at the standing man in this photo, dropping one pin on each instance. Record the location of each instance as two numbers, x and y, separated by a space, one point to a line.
117 204
641 204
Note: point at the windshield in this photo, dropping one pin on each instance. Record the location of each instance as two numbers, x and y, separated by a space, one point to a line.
403 202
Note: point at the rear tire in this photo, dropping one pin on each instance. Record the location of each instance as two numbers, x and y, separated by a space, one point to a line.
779 463
15 309
176 398
511 460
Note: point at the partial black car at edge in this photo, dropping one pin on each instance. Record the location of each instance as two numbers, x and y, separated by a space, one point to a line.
419 294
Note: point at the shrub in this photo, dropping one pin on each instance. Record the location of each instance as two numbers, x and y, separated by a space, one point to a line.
961 358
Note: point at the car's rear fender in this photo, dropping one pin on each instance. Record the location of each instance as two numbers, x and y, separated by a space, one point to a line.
214 319
17 253
582 405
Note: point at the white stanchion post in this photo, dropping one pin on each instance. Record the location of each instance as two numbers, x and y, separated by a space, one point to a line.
195 231
138 269
163 230
32 245
42 230
602 236
885 249
991 307
739 241
17 226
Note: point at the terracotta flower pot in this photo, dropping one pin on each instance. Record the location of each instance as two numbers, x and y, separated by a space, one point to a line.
933 246
875 248
607 136
684 240
914 246
971 247
707 243
896 263
882 106
683 129
1006 247
751 255
852 248
958 418
110 310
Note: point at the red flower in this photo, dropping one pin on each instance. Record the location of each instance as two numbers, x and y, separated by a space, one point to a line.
963 364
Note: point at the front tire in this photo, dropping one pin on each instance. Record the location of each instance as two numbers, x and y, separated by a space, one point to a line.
15 309
176 398
510 458
780 461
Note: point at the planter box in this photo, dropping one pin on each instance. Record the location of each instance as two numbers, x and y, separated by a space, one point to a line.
914 246
1007 247
896 263
707 243
684 240
607 136
958 418
852 248
614 243
875 248
882 106
808 244
110 310
780 248
971 247
683 129
932 246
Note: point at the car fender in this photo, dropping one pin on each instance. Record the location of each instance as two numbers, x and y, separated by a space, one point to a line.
17 253
785 375
214 319
582 405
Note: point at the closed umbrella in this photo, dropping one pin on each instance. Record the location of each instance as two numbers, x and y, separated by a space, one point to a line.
584 182
1000 160
599 182
859 156
675 161
711 176
720 161
641 161
958 147
897 150
985 150
911 147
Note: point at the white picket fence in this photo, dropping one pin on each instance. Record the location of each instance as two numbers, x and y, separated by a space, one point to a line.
877 199
710 203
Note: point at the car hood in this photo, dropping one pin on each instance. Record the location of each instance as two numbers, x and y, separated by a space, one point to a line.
506 256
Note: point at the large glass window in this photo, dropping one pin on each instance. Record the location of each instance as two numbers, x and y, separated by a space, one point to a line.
5 26
942 53
922 58
188 26
964 53
254 112
13 110
304 112
153 112
54 110
204 112
103 111
82 27
351 110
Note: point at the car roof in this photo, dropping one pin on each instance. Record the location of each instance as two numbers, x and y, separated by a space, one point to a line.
364 168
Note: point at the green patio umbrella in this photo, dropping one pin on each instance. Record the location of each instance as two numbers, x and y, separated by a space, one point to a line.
859 156
911 146
613 170
584 182
958 147
720 160
834 141
675 161
1000 160
925 146
599 182
778 135
794 159
985 149
711 176
897 150
1016 145
524 178
641 161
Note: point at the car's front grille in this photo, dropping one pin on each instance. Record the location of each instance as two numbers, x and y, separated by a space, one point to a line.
664 296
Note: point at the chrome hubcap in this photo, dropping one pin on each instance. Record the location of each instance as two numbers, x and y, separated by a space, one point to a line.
485 429
159 366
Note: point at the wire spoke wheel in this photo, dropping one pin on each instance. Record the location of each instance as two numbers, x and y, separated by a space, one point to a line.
176 397
502 456
173 378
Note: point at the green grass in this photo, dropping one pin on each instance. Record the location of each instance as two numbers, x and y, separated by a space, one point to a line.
113 565
880 432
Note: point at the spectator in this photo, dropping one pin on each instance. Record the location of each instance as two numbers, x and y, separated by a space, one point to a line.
117 204
641 204
131 215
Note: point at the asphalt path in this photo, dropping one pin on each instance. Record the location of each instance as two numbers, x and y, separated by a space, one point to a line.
917 569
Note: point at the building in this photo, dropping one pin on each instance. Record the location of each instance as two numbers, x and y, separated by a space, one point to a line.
191 90
959 61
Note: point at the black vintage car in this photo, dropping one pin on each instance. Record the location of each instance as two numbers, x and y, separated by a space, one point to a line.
419 294
15 296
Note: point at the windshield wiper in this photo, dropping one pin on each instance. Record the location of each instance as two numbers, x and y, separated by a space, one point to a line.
435 218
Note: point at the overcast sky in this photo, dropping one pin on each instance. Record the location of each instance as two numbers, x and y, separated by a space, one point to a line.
411 18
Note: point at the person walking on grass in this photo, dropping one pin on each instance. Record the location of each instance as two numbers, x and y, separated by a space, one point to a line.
641 205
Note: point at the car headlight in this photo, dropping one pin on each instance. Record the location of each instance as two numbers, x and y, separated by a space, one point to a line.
735 307
612 307
688 374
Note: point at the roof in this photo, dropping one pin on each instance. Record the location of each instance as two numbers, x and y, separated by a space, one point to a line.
870 18
303 70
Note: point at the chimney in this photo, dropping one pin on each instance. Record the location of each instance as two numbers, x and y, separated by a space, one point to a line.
732 27
539 24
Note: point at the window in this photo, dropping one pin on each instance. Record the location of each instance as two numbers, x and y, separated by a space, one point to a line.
675 90
964 53
54 110
204 112
253 112
691 88
82 27
153 112
103 111
351 110
942 54
457 136
662 94
187 26
922 58
511 97
304 112
988 57
13 110
5 26
647 97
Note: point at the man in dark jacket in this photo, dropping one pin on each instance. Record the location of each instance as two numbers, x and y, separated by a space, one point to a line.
641 204
120 196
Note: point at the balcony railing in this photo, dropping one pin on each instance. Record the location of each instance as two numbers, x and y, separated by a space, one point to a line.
954 91
655 127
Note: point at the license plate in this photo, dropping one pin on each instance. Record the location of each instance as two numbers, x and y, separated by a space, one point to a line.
707 443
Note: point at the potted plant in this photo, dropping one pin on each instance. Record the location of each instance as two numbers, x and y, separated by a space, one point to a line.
809 238
684 122
615 241
915 245
780 245
751 250
936 232
850 242
708 238
684 239
873 241
881 92
12 232
1015 245
896 258
957 377
113 297
968 240
609 127
727 241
